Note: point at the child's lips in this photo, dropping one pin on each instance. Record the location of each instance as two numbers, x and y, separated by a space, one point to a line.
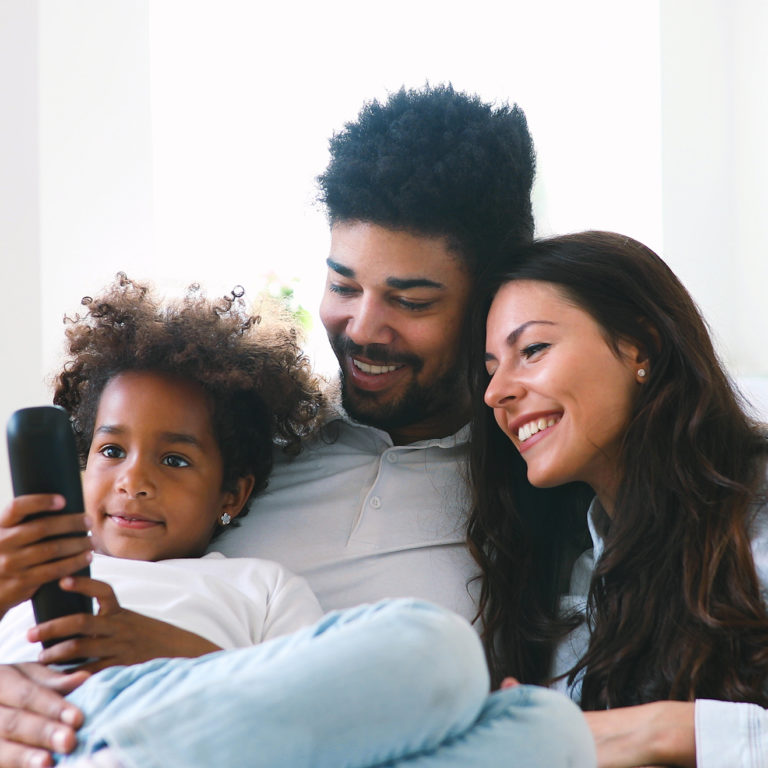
135 522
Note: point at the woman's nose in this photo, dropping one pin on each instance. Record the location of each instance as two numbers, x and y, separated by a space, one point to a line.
502 389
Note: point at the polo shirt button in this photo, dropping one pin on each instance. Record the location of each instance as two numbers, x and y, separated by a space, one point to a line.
375 502
392 457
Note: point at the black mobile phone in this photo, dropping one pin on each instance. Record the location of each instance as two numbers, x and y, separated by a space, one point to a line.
43 458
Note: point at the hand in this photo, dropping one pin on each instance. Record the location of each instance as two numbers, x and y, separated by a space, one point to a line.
659 733
35 719
115 635
28 556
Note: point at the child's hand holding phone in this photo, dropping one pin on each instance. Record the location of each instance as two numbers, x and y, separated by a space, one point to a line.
29 556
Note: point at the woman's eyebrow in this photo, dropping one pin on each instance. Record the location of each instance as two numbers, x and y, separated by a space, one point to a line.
515 335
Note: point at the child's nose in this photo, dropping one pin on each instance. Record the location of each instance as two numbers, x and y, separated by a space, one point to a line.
135 480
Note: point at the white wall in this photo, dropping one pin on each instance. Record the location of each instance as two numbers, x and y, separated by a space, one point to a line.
715 167
179 139
21 355
95 152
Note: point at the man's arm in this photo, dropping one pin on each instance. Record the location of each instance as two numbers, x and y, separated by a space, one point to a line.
35 719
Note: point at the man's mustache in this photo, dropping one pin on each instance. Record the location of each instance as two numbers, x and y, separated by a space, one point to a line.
380 354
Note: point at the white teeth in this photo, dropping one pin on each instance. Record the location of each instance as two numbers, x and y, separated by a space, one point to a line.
532 427
374 369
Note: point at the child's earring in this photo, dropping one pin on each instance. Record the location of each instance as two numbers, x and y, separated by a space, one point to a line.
225 519
641 373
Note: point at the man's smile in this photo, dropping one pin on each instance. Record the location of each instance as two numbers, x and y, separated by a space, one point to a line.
376 370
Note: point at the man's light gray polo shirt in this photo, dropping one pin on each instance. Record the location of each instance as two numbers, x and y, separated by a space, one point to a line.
362 519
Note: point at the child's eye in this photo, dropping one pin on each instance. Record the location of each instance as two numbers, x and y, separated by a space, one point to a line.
112 452
533 349
173 460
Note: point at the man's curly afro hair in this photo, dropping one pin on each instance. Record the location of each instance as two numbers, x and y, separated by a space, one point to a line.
435 161
259 383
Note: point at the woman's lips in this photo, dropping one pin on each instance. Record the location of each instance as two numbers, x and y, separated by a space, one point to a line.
531 429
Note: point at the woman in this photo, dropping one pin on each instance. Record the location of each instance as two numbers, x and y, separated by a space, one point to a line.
599 369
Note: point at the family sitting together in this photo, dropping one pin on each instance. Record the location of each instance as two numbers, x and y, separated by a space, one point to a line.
536 488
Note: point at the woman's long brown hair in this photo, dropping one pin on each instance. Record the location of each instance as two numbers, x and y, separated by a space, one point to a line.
674 607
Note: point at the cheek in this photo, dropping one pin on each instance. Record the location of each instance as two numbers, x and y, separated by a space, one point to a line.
437 345
331 312
90 490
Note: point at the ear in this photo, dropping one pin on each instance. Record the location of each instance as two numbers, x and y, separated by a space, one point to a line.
636 358
234 501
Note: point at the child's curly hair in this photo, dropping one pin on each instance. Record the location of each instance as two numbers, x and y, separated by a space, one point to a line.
259 382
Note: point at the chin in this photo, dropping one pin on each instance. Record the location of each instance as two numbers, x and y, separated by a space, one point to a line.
544 480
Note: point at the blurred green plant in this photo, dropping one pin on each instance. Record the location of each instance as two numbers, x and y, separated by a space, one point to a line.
277 287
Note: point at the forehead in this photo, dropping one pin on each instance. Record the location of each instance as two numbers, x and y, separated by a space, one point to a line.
162 398
524 301
371 253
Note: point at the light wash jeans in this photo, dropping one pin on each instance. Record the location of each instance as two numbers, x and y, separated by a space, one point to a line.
399 683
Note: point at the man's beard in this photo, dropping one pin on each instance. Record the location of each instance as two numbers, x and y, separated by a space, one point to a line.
416 404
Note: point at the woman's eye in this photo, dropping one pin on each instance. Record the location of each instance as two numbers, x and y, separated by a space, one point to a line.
175 461
533 349
112 452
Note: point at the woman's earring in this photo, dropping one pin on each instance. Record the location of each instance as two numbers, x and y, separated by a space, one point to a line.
225 519
641 373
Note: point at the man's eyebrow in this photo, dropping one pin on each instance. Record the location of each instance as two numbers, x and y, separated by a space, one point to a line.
403 284
340 268
400 283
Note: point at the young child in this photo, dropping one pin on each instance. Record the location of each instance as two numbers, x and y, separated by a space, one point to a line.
175 411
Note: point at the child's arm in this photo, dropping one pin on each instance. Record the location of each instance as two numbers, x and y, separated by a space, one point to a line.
29 556
115 636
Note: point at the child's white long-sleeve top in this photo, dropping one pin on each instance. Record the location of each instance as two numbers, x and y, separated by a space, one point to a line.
232 602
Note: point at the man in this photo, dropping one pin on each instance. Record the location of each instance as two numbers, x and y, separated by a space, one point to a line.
421 191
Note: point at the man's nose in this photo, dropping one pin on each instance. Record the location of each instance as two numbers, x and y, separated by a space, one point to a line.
370 323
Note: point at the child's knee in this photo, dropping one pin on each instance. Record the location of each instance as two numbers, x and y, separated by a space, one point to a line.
440 644
549 719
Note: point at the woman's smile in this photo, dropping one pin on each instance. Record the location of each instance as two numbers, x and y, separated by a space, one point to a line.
559 390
